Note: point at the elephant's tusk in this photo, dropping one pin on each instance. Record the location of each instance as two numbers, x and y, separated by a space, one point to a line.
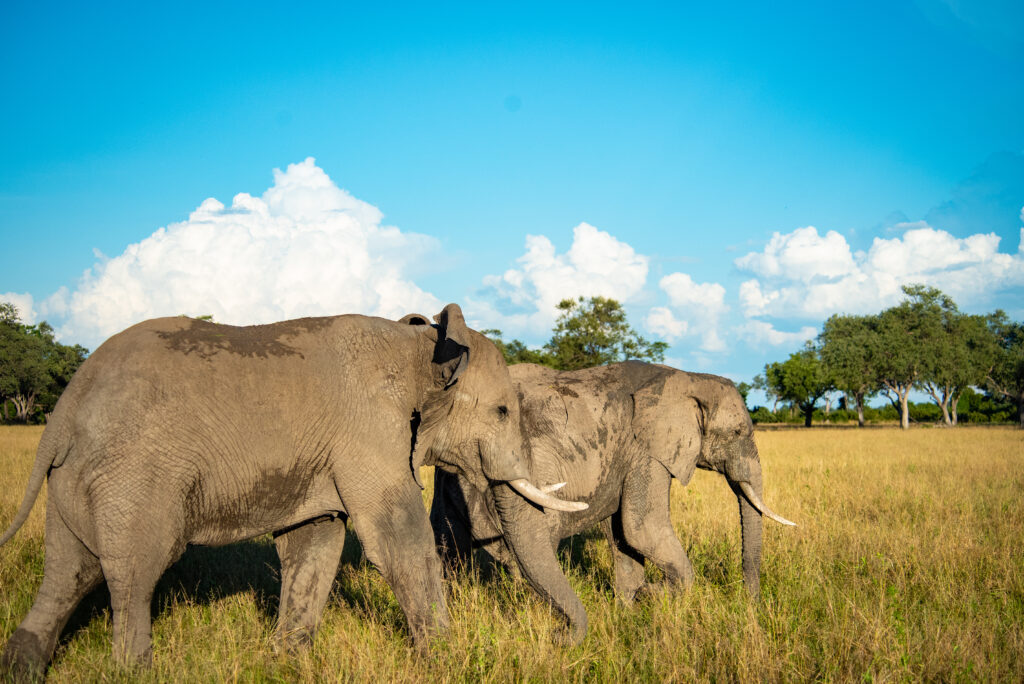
530 491
547 489
756 502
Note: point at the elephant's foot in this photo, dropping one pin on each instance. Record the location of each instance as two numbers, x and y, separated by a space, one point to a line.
294 640
571 634
24 659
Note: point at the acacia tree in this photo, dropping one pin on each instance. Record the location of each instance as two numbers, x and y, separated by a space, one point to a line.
960 360
801 379
845 348
1005 377
907 338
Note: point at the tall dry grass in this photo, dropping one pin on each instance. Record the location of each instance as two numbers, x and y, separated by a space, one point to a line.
907 565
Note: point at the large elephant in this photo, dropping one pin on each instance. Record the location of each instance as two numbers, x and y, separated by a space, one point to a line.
180 431
615 436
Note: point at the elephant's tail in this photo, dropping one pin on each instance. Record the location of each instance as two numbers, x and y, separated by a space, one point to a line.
53 447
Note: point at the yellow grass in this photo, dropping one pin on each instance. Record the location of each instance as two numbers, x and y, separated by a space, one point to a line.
907 565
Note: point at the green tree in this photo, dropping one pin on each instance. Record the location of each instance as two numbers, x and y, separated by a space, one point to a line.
845 348
961 359
1005 376
907 343
588 332
593 332
34 367
516 351
801 379
744 389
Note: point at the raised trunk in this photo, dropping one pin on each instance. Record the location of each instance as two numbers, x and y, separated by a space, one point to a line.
529 539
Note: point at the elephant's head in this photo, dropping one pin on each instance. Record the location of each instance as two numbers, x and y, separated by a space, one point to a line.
728 447
469 419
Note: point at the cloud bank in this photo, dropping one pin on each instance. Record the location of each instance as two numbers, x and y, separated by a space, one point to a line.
806 275
525 298
304 248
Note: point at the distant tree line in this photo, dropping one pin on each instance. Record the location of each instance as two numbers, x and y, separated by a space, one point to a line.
34 368
924 343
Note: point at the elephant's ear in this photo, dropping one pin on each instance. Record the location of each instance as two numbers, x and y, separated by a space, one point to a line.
669 424
414 319
452 343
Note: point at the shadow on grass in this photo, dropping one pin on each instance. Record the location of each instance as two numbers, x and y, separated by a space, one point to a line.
205 575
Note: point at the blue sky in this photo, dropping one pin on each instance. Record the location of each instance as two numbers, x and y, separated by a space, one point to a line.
734 173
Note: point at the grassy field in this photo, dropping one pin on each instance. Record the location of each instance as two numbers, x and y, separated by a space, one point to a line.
907 565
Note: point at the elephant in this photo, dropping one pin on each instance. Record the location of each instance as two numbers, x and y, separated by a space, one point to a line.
180 431
611 436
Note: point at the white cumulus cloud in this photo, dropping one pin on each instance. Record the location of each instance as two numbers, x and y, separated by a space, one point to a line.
695 309
801 255
25 305
305 247
969 269
525 298
761 333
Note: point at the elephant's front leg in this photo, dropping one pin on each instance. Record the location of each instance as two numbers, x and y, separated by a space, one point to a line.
309 555
392 525
647 525
629 564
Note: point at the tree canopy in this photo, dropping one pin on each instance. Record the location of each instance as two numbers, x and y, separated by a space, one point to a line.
34 367
588 332
801 379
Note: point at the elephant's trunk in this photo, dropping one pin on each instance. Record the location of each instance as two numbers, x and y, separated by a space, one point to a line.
750 527
744 475
529 539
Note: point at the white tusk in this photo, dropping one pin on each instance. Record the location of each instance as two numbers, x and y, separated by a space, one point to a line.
530 491
547 489
756 502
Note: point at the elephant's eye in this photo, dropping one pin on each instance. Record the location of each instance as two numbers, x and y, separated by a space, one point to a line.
502 412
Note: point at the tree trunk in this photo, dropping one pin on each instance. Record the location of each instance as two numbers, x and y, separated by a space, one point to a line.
808 414
860 410
904 410
23 406
1020 409
953 404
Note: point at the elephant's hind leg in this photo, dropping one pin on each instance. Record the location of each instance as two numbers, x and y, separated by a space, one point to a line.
647 525
71 571
309 555
134 555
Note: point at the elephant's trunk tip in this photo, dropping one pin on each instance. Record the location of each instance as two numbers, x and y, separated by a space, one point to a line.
756 502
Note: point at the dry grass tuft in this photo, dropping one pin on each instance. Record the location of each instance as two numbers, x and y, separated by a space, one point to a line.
906 566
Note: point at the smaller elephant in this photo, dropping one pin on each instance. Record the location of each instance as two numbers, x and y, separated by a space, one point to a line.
614 437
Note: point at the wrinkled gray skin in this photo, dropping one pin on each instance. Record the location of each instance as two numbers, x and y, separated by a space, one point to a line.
616 435
179 431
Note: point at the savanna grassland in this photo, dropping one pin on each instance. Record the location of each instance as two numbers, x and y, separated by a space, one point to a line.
907 565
